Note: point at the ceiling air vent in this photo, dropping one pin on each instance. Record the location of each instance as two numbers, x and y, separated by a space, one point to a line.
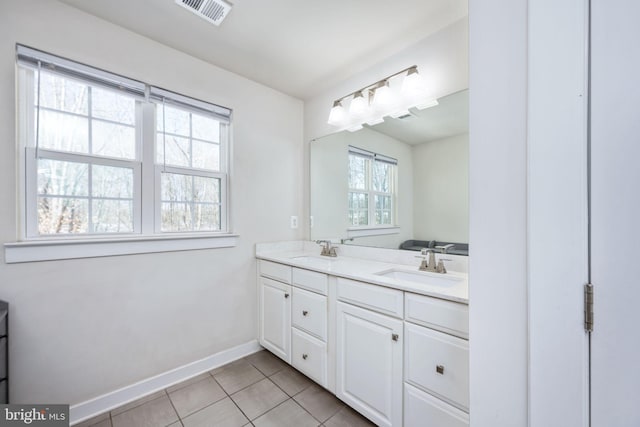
213 11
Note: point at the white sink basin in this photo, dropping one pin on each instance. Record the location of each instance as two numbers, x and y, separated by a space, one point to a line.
422 277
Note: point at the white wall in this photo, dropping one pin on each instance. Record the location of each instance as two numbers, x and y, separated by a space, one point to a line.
81 328
441 190
498 213
329 185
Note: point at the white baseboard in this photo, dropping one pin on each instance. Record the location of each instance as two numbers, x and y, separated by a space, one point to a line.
96 406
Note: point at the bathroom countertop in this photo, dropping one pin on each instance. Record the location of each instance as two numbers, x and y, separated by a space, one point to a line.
364 270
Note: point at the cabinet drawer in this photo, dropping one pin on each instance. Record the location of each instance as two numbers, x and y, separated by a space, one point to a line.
311 280
377 298
309 312
275 271
422 409
447 316
437 363
309 356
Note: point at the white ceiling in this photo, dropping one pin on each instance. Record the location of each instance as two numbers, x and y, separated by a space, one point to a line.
450 117
299 47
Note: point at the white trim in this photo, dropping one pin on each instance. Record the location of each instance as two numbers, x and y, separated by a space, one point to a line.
372 231
72 248
96 406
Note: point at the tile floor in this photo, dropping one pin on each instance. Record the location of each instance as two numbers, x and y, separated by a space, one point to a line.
259 390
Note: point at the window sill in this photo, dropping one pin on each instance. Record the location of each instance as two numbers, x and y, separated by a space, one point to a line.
372 231
49 250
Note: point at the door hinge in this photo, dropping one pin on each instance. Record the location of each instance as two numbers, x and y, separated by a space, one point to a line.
588 307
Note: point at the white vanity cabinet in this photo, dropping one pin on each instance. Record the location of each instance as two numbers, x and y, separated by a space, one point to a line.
436 364
309 324
369 350
397 357
274 288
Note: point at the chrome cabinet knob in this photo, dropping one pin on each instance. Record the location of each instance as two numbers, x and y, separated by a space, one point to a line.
304 356
395 337
305 312
440 369
286 295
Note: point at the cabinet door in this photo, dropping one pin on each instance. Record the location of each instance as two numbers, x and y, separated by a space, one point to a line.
369 364
275 318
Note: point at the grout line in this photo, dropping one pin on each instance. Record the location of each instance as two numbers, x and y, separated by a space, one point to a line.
166 392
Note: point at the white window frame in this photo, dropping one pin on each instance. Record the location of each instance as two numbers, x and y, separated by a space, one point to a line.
146 236
375 229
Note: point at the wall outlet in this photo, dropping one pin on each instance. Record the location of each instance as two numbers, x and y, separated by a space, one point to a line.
294 221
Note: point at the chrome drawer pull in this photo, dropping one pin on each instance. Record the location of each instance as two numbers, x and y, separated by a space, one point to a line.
304 356
395 337
305 312
286 295
440 369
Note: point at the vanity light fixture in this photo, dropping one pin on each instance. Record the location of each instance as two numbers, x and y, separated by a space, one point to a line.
383 98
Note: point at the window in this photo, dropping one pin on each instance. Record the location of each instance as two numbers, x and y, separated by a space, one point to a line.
371 189
104 155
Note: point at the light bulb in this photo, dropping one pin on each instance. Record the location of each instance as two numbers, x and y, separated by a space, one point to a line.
413 84
359 106
383 98
337 115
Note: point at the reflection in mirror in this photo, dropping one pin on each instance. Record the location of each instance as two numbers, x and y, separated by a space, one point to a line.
399 184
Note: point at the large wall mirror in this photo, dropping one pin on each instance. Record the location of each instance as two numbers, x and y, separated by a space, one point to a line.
399 184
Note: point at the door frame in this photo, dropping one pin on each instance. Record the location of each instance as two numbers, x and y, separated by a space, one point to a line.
558 212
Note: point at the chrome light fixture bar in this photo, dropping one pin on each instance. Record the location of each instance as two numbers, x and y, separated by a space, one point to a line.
380 99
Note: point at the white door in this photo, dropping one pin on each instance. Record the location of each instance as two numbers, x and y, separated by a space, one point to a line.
615 212
369 364
275 318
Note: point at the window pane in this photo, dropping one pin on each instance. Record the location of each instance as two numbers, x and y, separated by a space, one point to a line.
61 93
113 140
177 151
175 187
382 177
112 216
176 217
357 172
206 189
62 178
113 182
206 217
109 105
63 132
206 155
176 121
62 215
206 128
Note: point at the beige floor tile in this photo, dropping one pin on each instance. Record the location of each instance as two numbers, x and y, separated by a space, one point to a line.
234 378
156 413
102 420
291 381
288 414
259 398
188 382
319 402
221 414
347 417
196 396
138 402
266 362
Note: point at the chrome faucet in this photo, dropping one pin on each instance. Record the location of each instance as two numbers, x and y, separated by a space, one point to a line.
327 249
445 248
430 263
